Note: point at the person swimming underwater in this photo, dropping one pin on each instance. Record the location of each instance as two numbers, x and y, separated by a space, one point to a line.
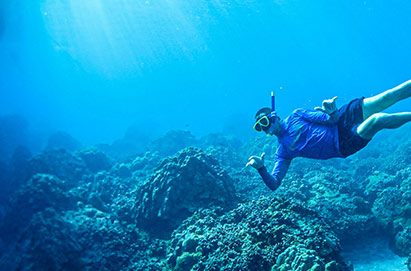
326 131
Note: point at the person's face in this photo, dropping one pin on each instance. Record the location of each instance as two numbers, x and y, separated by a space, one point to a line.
274 127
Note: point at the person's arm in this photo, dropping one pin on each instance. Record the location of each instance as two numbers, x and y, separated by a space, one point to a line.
274 179
317 116
327 114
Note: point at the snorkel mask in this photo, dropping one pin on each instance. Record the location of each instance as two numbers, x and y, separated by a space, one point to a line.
263 119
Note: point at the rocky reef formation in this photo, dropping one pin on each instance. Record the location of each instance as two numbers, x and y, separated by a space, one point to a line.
392 207
83 239
335 196
62 140
263 234
200 209
172 142
59 162
95 159
52 224
388 191
40 192
181 185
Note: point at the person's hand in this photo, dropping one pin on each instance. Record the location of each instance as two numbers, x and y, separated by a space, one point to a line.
256 161
328 107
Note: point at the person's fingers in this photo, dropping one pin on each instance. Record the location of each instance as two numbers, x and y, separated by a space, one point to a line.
335 97
252 157
319 109
262 156
252 162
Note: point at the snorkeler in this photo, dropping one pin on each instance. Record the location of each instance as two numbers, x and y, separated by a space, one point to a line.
326 131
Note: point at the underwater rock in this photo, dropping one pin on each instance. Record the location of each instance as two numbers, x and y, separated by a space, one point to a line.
298 257
181 185
123 150
122 170
229 159
134 143
224 148
108 244
47 243
104 211
263 234
58 162
95 159
110 187
147 162
62 140
83 239
402 245
172 142
376 183
258 145
334 196
112 191
393 211
39 193
397 160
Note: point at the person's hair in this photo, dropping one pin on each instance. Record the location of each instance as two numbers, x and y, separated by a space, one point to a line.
263 111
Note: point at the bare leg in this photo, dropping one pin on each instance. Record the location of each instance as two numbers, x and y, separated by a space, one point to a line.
384 100
380 121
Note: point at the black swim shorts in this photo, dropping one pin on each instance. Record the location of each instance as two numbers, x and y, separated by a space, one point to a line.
350 116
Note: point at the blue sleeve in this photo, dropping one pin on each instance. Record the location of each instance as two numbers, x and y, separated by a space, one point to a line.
274 179
317 116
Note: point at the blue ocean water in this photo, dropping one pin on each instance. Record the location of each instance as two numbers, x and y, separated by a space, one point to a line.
125 127
372 255
95 68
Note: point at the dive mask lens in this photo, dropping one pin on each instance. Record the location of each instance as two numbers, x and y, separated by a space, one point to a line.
258 127
261 123
264 121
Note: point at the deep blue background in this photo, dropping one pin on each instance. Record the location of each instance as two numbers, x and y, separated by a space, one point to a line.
94 68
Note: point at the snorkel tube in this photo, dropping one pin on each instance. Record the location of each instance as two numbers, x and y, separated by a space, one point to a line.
272 108
272 101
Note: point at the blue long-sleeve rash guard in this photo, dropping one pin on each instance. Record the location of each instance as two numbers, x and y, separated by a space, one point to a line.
305 133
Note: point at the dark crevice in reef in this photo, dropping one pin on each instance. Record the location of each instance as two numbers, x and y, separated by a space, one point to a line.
200 209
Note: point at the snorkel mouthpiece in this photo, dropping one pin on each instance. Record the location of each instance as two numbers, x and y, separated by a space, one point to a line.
272 101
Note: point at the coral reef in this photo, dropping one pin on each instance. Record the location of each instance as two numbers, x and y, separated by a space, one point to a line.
334 196
40 192
263 234
146 162
224 149
172 142
62 140
59 162
198 209
84 239
95 159
181 185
